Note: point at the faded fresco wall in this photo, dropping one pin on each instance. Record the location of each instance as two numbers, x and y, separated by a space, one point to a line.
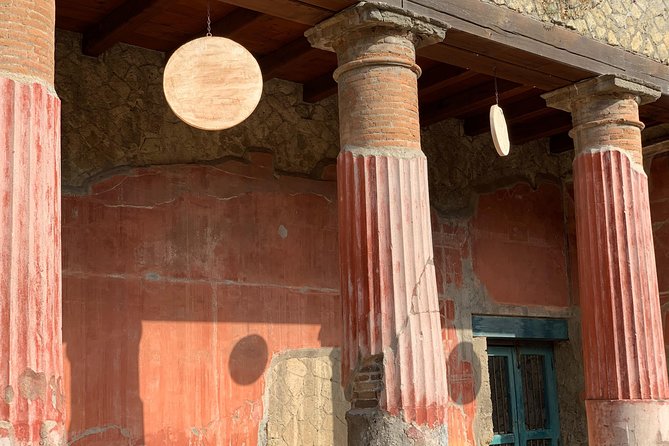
639 26
197 270
659 206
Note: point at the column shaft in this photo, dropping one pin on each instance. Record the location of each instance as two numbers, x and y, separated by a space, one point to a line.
393 359
625 367
32 409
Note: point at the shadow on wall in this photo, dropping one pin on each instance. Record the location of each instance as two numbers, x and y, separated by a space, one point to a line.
180 283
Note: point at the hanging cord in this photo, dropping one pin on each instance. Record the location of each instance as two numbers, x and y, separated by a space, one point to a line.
494 73
208 20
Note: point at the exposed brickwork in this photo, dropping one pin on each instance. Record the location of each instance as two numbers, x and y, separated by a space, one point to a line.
368 383
26 38
640 26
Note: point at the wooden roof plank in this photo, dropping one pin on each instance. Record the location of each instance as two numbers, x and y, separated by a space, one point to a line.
493 67
121 21
469 101
292 10
284 56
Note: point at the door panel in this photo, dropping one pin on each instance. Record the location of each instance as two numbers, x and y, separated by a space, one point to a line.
524 397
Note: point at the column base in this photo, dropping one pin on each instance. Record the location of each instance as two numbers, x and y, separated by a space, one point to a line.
628 422
373 427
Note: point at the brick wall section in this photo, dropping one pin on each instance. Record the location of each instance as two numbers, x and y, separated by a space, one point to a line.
26 38
382 99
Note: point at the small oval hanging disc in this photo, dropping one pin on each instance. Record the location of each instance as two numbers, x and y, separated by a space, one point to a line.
500 134
212 83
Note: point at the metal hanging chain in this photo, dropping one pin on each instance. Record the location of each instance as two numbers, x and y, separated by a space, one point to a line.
208 20
494 73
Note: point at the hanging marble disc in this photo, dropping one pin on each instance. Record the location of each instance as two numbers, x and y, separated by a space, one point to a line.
500 134
212 83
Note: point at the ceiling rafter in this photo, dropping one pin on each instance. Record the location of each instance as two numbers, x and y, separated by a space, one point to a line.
514 112
119 22
292 10
272 63
236 21
471 100
550 125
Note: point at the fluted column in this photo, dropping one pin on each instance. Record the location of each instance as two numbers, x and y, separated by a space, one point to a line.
625 367
32 409
393 362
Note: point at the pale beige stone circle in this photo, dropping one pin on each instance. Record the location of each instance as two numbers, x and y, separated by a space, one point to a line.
500 134
212 83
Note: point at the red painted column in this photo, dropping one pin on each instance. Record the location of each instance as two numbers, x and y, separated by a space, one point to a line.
627 388
393 359
31 364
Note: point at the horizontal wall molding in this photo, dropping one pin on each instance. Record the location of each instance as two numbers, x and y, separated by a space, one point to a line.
504 327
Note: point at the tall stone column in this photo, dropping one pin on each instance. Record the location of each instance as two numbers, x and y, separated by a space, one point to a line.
625 367
32 410
393 359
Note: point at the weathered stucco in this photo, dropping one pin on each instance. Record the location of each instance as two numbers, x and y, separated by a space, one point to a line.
304 400
639 26
115 115
462 166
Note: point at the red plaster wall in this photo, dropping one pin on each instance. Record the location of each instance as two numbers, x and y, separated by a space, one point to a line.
179 284
518 245
659 209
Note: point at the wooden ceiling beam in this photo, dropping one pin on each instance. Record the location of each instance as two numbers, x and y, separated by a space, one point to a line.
274 62
492 67
514 112
291 10
444 77
236 21
118 23
472 100
320 88
550 125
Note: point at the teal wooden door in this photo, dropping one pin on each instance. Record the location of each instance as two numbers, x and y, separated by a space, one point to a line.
524 396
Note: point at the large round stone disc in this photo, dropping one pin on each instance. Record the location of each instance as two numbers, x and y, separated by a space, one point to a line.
212 83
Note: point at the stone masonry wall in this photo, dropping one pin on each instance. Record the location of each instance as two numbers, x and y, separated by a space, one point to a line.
115 115
639 26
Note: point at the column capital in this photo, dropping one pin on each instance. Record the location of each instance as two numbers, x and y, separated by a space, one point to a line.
331 33
604 85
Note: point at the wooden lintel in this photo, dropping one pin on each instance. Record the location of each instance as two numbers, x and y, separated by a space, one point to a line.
469 101
292 10
493 67
320 88
272 63
121 21
492 23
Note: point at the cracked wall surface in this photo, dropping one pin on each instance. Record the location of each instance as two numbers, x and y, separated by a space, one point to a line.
304 400
180 282
639 26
